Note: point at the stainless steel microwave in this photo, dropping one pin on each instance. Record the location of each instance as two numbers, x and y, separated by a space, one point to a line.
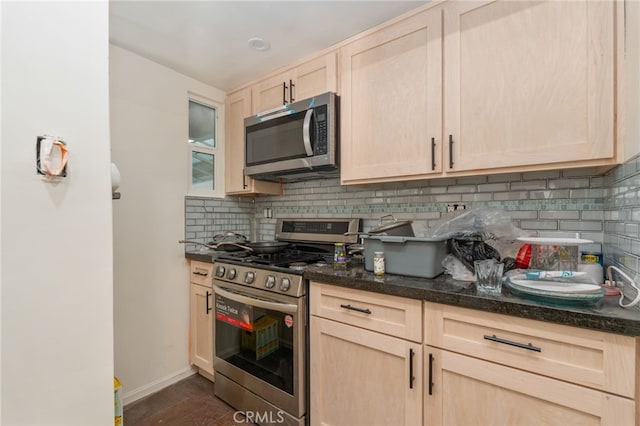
293 142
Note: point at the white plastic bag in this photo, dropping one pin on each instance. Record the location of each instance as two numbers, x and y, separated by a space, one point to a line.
454 267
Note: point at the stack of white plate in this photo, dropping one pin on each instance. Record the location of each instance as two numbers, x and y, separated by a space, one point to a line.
555 292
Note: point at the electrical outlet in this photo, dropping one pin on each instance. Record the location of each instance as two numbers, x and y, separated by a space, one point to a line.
456 206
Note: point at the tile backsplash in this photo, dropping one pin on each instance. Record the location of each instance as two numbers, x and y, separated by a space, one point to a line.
622 217
556 203
207 217
561 203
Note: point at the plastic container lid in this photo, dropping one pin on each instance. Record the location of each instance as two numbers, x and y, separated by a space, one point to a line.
554 241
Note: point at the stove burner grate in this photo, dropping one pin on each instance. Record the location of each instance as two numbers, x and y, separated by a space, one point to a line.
282 259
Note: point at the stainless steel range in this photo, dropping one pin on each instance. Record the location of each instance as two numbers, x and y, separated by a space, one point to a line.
261 339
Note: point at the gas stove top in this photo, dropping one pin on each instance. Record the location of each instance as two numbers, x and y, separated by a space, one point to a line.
311 241
290 258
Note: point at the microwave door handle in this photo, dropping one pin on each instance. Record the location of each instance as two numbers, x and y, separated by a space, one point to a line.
241 298
306 132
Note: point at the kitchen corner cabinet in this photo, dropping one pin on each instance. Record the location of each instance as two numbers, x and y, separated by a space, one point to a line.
238 106
484 368
467 88
363 368
201 318
391 95
308 79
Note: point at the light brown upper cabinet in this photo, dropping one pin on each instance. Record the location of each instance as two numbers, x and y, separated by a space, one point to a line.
391 102
308 79
467 88
238 106
528 84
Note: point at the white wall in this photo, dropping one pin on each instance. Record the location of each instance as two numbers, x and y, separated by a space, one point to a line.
57 310
1 216
149 131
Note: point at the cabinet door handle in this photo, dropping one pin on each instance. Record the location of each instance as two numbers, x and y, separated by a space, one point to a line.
433 153
284 93
353 308
430 374
451 151
528 346
244 182
411 378
291 86
208 307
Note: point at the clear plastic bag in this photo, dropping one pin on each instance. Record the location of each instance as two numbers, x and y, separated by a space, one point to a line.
480 233
454 267
480 224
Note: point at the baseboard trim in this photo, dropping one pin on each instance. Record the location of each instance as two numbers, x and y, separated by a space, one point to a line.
156 385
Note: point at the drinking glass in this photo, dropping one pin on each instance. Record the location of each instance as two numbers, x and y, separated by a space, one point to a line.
488 276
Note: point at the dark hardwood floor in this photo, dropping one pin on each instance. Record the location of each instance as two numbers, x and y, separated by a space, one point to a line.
190 402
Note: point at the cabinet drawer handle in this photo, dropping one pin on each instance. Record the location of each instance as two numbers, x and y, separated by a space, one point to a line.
433 153
528 346
430 374
451 151
208 307
353 308
202 274
411 378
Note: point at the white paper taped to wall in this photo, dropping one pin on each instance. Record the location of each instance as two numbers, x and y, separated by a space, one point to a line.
52 157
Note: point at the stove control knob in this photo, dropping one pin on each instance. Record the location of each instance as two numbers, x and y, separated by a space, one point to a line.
249 277
220 271
231 274
285 284
270 281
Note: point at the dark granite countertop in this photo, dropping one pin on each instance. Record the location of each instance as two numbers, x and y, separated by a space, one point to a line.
606 315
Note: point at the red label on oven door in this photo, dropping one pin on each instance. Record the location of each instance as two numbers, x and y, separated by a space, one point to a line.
235 313
288 321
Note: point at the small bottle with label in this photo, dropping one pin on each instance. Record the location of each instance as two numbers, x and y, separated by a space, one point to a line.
340 256
378 263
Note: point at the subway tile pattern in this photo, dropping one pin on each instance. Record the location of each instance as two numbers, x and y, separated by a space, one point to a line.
207 217
622 218
554 203
558 203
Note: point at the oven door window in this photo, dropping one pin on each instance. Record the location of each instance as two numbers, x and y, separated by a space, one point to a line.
257 339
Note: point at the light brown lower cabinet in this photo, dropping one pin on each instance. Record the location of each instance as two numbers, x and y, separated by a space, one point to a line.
201 318
202 329
471 368
462 390
365 358
363 378
483 368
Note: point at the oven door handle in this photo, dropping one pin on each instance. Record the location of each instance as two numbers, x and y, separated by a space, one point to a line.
241 298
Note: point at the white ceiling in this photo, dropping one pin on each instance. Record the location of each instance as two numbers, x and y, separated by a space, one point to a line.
207 40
